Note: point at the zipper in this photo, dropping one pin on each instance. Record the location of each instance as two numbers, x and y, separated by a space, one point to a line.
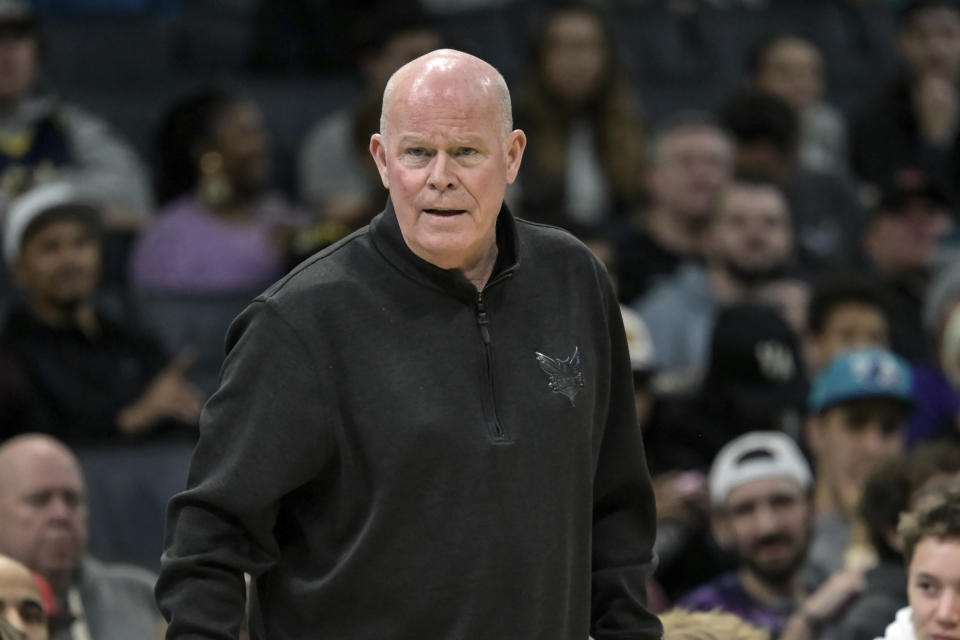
488 399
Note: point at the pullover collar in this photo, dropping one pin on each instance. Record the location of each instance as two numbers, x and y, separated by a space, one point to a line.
388 239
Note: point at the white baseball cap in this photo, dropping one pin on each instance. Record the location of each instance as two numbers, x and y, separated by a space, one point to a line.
25 209
756 456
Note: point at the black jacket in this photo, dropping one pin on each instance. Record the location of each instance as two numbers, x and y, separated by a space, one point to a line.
389 457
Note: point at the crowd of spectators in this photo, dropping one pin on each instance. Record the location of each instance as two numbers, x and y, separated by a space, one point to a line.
773 186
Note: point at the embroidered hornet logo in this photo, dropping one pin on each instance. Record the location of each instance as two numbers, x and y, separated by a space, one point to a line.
565 376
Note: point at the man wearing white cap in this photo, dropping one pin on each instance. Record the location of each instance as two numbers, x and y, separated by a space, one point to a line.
68 350
761 491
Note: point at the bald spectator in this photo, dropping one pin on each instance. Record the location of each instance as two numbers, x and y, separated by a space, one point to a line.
43 508
21 604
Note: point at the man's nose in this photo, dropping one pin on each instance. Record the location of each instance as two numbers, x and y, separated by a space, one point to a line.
60 508
13 617
766 520
442 176
948 608
872 441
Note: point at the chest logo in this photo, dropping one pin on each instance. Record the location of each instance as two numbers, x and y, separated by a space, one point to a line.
563 376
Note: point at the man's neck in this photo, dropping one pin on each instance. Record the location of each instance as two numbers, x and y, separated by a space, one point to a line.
480 274
83 316
770 594
673 231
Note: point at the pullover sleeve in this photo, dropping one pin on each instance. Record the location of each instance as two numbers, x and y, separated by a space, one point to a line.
262 434
624 513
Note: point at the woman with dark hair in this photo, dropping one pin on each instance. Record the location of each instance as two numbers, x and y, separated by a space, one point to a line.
218 231
583 161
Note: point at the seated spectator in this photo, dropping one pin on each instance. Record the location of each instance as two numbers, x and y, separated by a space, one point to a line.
89 378
754 381
931 543
827 216
21 604
748 243
337 178
585 148
680 624
761 492
219 230
900 241
891 490
689 162
44 514
791 68
41 136
859 407
914 122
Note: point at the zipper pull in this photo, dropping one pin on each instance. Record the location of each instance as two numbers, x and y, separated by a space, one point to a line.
482 320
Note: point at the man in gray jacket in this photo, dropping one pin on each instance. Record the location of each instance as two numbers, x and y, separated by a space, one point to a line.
44 514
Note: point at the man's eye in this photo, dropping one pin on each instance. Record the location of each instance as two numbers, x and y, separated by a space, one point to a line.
32 612
928 588
417 152
466 151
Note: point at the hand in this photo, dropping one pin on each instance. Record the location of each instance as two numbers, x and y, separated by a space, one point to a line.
169 395
680 496
827 601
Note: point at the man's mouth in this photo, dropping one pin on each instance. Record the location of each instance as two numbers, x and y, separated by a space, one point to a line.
446 213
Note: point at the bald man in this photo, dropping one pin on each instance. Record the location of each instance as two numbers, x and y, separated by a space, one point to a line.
20 602
428 429
43 511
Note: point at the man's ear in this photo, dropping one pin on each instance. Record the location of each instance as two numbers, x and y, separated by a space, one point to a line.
516 143
378 149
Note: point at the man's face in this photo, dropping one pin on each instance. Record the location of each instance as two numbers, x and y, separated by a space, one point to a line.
906 240
848 326
768 523
43 510
59 264
692 166
20 601
850 440
930 43
446 164
18 64
933 589
751 234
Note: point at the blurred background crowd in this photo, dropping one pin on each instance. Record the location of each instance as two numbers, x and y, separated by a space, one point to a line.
772 184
